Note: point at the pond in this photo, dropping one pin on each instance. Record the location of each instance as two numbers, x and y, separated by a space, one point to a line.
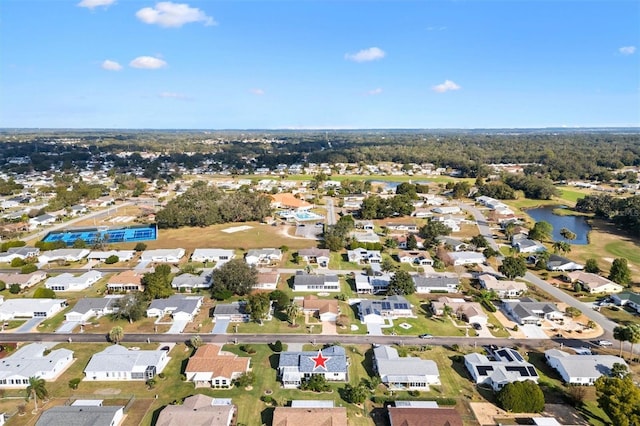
576 224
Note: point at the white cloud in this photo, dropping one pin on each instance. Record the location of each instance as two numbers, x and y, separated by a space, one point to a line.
627 50
258 92
110 65
436 28
446 86
90 4
147 62
366 55
173 15
172 95
374 92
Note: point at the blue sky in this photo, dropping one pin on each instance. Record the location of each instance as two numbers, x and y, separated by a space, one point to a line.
240 64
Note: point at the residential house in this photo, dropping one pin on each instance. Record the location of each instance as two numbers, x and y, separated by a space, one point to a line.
212 255
42 220
162 255
503 288
530 311
417 416
181 308
198 410
627 298
122 255
559 263
436 283
23 280
117 363
126 281
316 283
417 257
70 282
267 281
263 257
212 367
190 282
505 366
526 245
296 367
77 210
233 312
364 256
581 369
33 360
404 373
366 225
287 201
310 413
67 255
315 256
323 309
593 283
402 227
453 243
466 258
378 311
30 308
19 252
471 312
451 222
446 210
365 237
75 414
90 307
372 284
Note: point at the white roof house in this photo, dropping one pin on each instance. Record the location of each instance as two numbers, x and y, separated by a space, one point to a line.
81 415
30 361
162 255
68 255
89 307
117 363
391 307
361 255
581 369
406 373
503 288
191 281
446 210
70 282
316 283
505 366
30 308
178 306
467 258
263 256
559 263
23 280
212 255
123 255
530 311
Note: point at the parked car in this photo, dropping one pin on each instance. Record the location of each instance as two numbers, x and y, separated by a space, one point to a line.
604 343
425 336
476 326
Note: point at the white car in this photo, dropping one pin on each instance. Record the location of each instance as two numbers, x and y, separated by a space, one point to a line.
605 343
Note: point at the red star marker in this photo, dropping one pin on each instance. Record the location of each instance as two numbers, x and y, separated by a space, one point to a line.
320 360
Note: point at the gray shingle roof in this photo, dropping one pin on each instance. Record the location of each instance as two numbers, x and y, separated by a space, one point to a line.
337 362
76 415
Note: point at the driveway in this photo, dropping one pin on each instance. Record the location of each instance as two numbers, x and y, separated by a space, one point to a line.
177 326
374 329
29 325
484 332
221 326
68 326
533 331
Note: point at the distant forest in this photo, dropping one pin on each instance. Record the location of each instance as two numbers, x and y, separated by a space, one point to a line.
558 155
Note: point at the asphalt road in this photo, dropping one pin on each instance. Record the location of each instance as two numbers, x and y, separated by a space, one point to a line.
483 225
331 211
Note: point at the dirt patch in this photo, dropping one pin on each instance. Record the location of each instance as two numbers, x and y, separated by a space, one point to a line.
489 414
107 391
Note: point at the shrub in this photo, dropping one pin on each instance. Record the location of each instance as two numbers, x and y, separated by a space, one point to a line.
14 289
267 399
521 397
414 393
248 349
28 268
3 285
140 247
74 383
17 262
489 306
44 293
112 259
277 346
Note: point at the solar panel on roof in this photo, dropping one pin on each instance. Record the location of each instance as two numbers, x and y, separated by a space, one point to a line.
505 354
483 369
520 370
517 356
386 305
532 372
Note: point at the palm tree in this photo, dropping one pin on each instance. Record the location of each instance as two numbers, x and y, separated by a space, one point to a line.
561 246
634 335
292 311
567 234
447 310
36 389
116 334
621 333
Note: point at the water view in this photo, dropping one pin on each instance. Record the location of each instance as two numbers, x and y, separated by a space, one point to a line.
576 224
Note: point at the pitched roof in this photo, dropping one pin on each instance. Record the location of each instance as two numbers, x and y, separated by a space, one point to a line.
410 416
197 410
211 359
585 365
126 277
87 304
290 416
79 415
312 303
119 358
337 362
30 360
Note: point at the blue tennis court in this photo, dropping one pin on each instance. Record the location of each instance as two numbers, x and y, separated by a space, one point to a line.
116 235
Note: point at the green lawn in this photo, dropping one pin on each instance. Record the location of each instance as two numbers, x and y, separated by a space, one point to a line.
277 325
351 312
338 260
624 249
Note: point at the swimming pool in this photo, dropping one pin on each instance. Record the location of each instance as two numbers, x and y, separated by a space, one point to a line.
113 235
300 216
